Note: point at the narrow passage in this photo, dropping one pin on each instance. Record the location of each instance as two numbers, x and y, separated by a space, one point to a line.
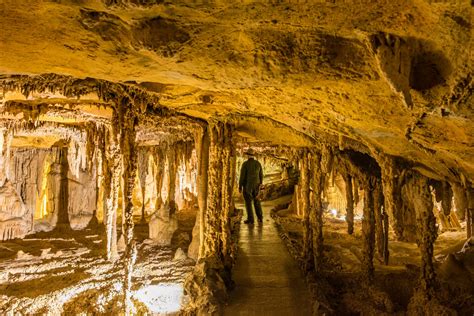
267 279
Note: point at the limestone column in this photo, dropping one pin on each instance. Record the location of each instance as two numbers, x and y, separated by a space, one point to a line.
63 197
213 218
227 159
305 209
172 169
127 119
142 174
350 203
460 199
316 212
378 217
6 138
160 169
111 184
470 212
196 248
368 230
391 183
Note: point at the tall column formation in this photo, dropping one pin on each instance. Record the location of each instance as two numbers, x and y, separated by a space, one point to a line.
470 212
203 150
368 229
391 183
378 216
212 238
316 212
5 144
305 208
160 169
350 203
127 119
460 200
111 183
63 197
172 169
426 230
227 191
143 156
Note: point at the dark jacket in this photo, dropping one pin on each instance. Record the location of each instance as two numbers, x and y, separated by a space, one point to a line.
251 175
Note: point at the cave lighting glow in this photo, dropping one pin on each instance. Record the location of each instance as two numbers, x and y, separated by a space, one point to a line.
161 298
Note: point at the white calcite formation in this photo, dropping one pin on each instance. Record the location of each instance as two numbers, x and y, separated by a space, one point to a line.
162 226
15 219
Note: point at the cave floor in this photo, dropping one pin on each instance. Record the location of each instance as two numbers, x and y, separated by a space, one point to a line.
267 279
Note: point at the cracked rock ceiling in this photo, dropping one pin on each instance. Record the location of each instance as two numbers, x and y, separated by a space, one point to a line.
380 76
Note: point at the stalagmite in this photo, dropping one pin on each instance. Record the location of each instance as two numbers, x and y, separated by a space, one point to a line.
316 213
350 203
368 229
305 208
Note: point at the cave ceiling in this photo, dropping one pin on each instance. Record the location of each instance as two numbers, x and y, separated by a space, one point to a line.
391 77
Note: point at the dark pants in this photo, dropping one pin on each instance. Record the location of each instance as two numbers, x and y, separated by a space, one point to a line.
250 197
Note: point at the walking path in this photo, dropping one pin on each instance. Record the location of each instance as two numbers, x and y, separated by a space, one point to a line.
267 279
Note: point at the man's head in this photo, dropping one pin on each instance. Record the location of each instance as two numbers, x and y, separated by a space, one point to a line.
250 153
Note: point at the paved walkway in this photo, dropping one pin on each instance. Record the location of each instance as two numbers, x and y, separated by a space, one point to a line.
268 280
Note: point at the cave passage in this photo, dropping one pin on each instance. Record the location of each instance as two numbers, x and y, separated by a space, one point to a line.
124 125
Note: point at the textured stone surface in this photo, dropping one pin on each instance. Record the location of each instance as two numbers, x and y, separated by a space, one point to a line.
394 76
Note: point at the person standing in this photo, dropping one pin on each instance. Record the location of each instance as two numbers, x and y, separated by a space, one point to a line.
251 178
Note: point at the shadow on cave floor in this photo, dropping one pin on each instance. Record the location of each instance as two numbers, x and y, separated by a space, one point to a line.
267 279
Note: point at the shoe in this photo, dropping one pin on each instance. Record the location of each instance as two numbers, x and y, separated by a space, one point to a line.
260 220
248 222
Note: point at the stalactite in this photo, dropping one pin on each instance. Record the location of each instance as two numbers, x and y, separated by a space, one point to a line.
350 203
305 208
368 229
316 212
379 228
